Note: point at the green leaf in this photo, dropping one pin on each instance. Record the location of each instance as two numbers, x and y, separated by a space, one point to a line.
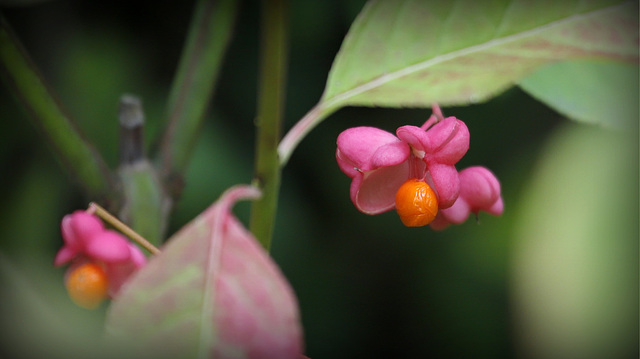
413 53
212 292
194 83
593 92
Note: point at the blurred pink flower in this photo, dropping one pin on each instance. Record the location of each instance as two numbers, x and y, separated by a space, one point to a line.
86 240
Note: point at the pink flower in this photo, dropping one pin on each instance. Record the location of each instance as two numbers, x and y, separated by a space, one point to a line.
379 163
86 240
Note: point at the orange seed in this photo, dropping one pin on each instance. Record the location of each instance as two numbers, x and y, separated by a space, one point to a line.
87 285
416 203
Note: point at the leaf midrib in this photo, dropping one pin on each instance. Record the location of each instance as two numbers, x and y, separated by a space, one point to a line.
495 42
206 330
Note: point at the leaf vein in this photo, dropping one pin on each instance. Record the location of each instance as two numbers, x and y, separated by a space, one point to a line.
343 97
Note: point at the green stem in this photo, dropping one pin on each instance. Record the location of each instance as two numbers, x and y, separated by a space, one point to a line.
193 85
24 81
302 128
145 204
269 119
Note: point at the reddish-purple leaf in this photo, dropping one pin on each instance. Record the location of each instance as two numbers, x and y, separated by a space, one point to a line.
212 292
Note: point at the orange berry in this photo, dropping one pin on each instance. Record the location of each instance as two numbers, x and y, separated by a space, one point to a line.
87 285
416 203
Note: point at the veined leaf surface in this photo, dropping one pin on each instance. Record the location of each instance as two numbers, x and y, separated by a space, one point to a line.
212 292
413 52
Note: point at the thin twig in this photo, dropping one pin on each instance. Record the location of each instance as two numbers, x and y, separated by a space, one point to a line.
115 222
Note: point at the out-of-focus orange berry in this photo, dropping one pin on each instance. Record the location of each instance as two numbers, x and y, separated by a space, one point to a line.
416 203
87 285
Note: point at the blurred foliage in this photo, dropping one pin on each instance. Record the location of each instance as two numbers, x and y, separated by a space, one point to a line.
367 286
575 277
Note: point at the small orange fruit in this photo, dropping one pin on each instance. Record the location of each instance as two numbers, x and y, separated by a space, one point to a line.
416 203
87 285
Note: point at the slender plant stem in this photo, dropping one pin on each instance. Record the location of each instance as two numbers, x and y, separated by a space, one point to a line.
295 135
271 100
24 81
193 86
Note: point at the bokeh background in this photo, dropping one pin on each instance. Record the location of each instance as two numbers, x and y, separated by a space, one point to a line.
555 277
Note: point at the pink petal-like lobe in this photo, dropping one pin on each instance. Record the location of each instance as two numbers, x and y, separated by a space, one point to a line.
457 213
119 272
64 255
446 183
109 247
137 257
439 223
450 140
78 227
479 191
357 149
479 187
415 137
497 208
375 191
376 160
